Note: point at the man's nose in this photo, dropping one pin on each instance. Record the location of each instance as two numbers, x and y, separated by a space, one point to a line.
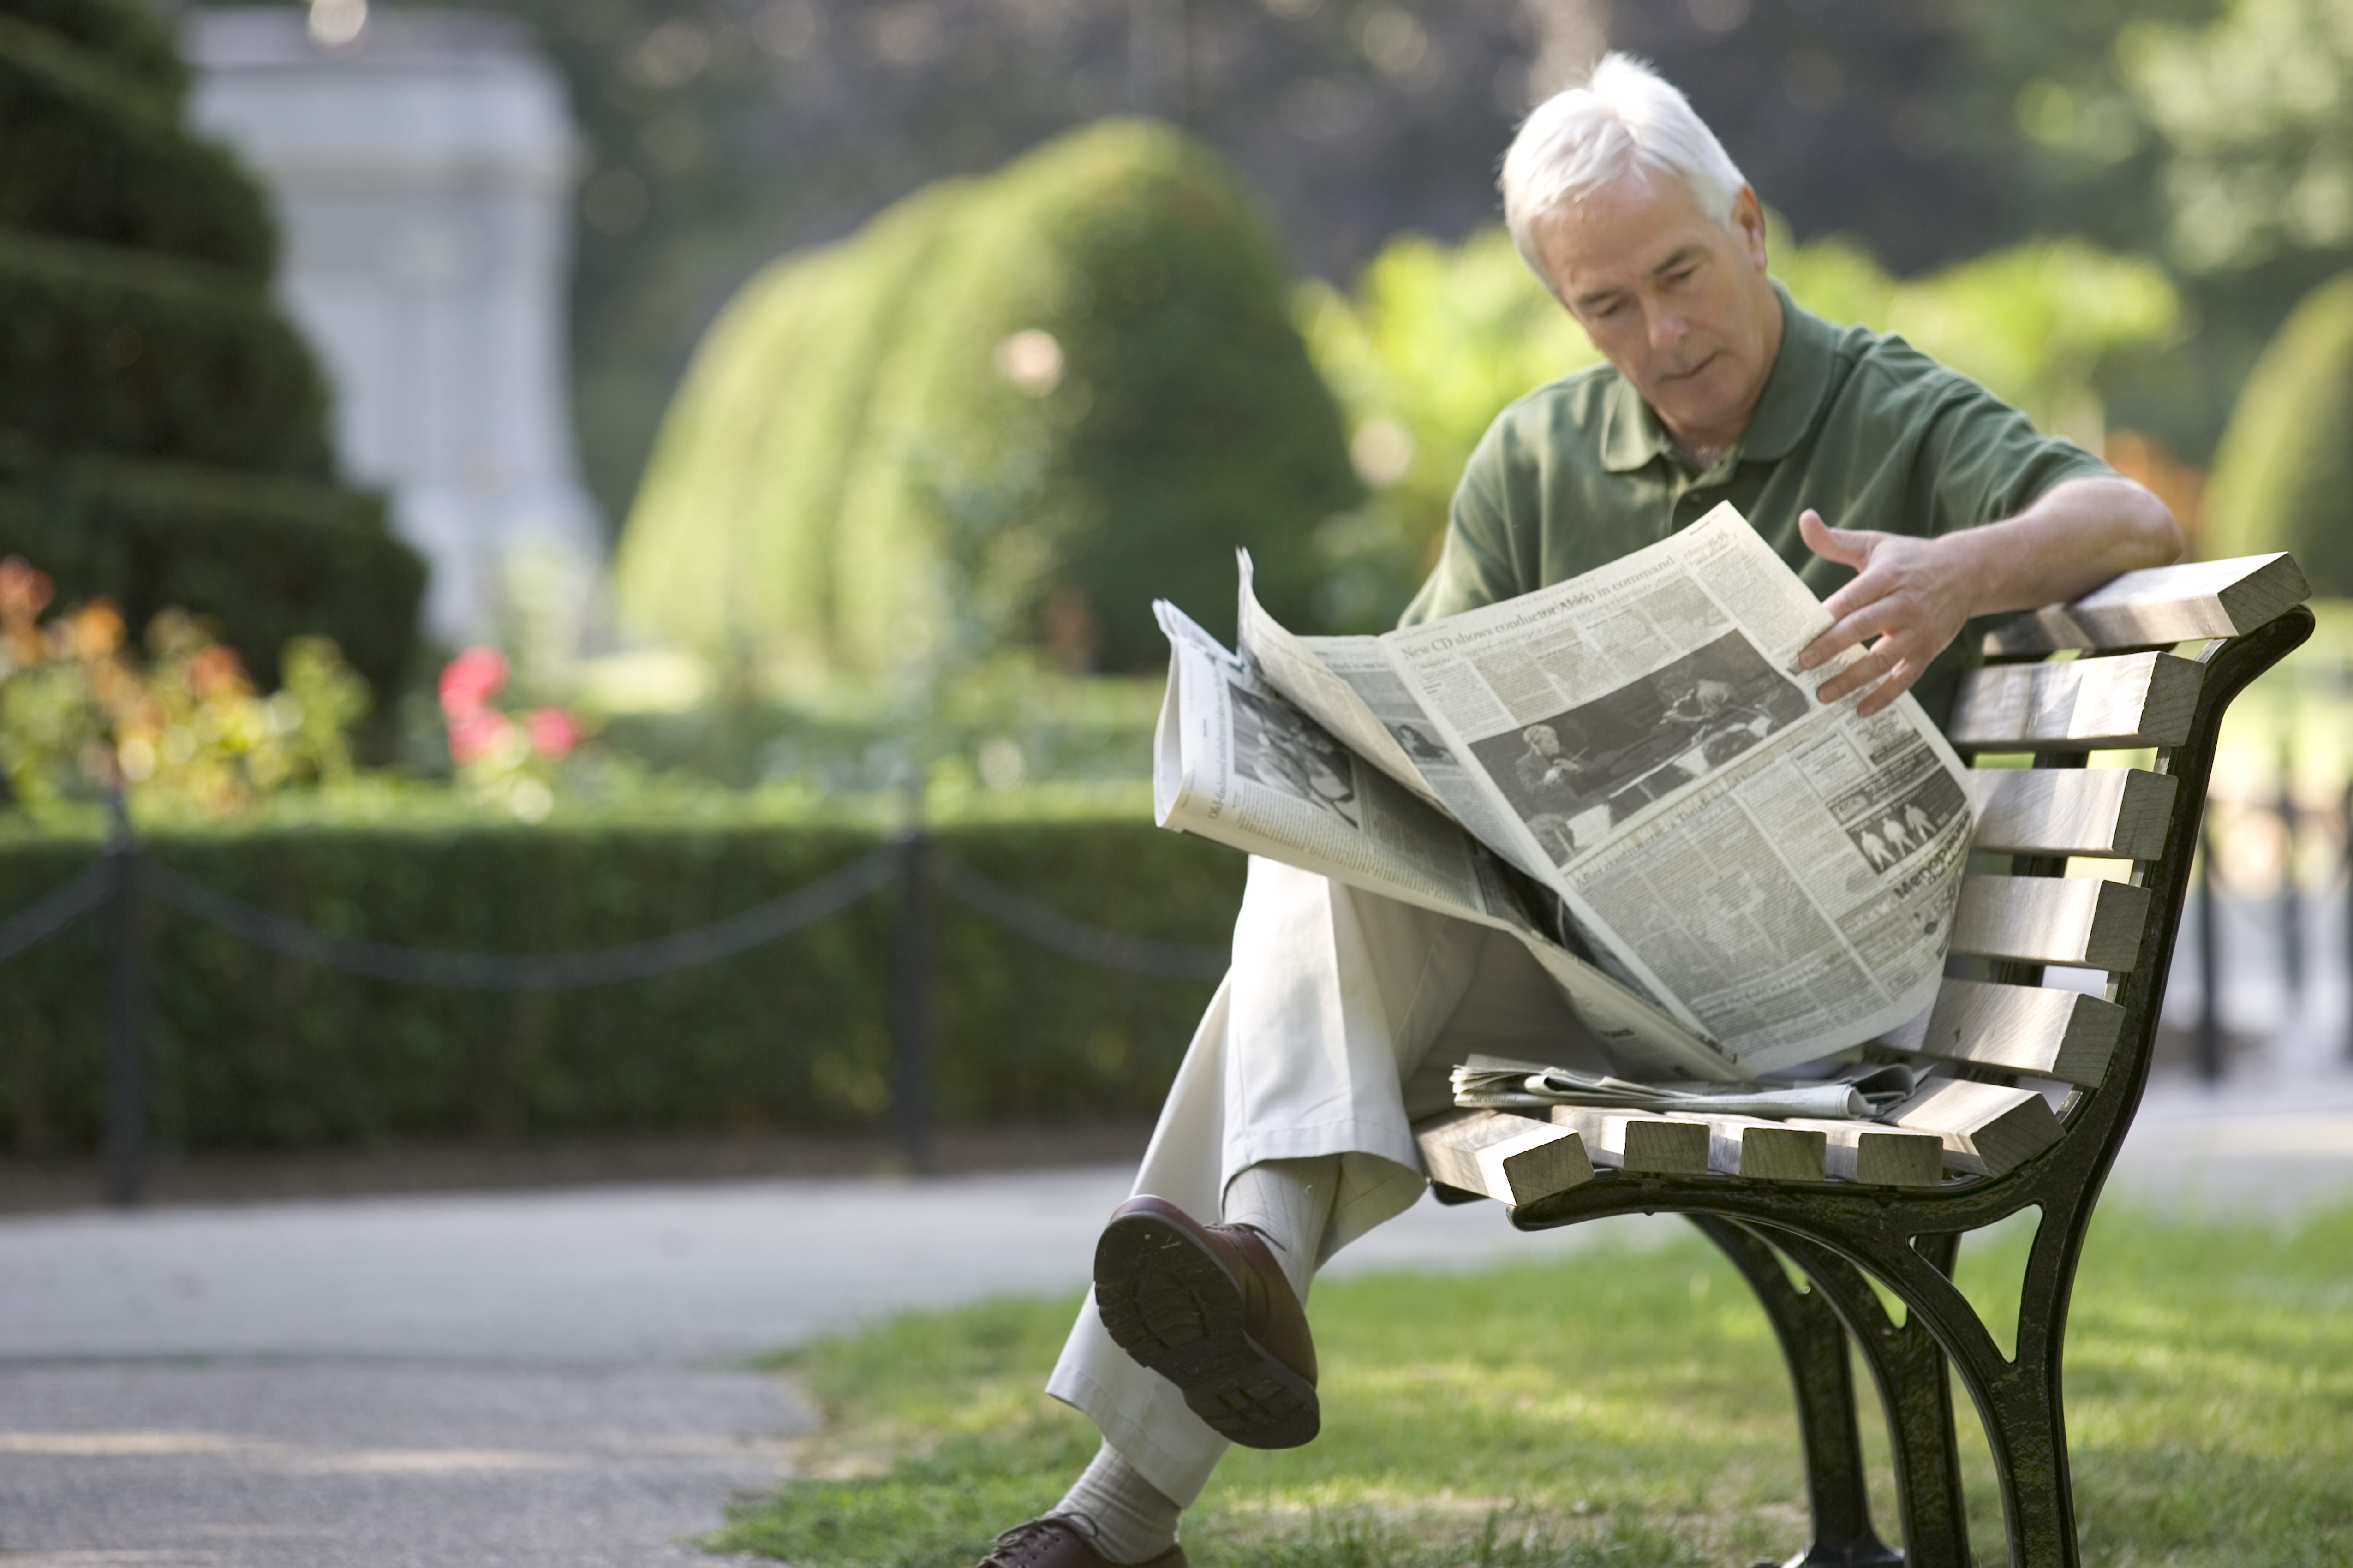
1666 327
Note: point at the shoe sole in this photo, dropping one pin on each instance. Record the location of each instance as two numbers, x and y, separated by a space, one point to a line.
1173 1308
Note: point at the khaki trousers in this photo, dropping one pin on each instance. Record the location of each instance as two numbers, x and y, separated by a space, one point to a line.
1332 1033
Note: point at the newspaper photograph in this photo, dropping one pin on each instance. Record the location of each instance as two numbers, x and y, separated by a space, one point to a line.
1777 873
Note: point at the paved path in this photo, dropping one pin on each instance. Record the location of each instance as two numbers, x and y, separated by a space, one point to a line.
376 1465
541 1380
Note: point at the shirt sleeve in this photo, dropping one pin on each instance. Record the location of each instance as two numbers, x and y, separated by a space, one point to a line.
1979 460
1475 561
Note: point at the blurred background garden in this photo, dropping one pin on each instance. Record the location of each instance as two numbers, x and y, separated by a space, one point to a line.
541 476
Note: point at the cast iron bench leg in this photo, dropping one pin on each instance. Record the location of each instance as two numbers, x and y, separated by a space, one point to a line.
1815 1345
1909 1367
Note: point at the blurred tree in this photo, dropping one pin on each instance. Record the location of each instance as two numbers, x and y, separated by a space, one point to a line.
1013 409
721 133
2258 109
2284 471
1435 341
163 429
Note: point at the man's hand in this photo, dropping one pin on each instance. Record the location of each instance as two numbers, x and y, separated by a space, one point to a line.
1912 595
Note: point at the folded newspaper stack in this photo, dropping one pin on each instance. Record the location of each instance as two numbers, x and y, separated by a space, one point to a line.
1859 1093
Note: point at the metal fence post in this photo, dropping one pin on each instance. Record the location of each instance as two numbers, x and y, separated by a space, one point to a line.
2290 888
911 1006
2210 972
126 1019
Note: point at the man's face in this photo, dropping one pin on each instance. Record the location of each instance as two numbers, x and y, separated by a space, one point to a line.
1679 302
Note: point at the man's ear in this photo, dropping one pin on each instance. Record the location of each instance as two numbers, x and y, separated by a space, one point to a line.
1748 222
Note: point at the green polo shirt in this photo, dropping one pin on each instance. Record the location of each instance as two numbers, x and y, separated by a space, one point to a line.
1862 427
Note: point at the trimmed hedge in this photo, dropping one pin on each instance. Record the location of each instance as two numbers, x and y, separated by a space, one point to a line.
251 1050
1005 408
163 430
105 350
127 36
269 558
79 162
2285 464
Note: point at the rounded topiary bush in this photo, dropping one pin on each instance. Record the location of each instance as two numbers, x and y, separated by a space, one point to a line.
163 437
2284 474
1010 409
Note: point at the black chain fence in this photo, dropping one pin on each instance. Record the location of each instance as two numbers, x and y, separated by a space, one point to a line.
122 875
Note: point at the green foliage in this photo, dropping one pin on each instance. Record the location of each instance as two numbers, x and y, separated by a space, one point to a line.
164 430
1436 340
1015 409
2255 108
1625 1404
2284 474
251 1050
267 558
1434 344
104 350
79 708
130 37
81 159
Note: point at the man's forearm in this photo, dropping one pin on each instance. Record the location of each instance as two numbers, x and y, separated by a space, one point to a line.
2076 536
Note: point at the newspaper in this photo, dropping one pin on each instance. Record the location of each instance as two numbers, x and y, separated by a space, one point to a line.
1857 1093
1727 876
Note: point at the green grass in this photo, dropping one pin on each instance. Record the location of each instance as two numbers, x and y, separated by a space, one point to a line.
1624 1405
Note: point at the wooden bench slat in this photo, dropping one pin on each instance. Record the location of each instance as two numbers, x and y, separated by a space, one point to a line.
1986 1128
1637 1141
2084 704
2039 1029
2119 812
1763 1151
1876 1155
1514 1160
2196 600
2051 919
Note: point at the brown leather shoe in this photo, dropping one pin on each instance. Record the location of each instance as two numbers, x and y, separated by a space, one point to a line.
1052 1542
1207 1308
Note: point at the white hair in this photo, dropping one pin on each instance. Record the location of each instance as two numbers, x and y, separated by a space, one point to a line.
1625 116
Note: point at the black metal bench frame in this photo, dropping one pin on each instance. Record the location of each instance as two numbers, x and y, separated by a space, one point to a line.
1840 1237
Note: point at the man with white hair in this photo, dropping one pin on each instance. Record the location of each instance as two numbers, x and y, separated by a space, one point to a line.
1291 1118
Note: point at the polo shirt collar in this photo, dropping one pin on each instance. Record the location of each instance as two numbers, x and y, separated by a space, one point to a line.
1632 434
1793 392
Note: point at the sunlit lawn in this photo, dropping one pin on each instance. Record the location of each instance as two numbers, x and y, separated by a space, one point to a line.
1625 1405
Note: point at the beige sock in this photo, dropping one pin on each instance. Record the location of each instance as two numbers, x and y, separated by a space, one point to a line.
1124 1516
1289 1202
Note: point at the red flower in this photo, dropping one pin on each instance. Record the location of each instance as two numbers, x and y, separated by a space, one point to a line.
553 732
469 681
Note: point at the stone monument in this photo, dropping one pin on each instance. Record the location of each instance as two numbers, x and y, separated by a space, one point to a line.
422 165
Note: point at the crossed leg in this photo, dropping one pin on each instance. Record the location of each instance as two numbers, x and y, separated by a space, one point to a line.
1293 1114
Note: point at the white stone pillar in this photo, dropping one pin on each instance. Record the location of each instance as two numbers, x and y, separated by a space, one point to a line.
422 173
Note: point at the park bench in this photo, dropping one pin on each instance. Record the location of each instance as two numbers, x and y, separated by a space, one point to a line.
1848 1203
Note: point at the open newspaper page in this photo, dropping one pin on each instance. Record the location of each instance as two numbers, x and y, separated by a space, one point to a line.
1334 682
1778 873
1236 762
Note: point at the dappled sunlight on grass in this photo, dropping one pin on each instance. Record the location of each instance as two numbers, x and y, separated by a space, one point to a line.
1625 1406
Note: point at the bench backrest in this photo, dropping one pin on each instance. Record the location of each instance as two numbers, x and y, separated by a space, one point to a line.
2101 674
2011 1026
